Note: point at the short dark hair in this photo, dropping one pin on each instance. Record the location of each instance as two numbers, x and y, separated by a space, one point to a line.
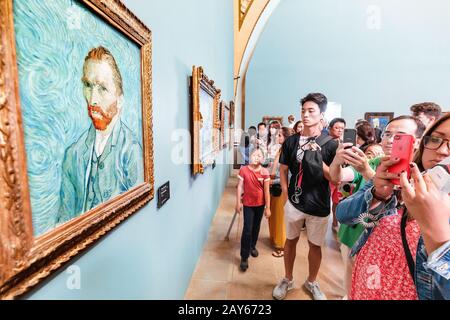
287 132
275 123
360 122
372 145
430 109
366 132
261 124
336 120
317 98
252 127
420 126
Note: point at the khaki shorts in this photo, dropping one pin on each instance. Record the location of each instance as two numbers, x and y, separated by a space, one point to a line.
316 227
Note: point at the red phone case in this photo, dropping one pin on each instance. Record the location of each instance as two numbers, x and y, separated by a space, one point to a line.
402 148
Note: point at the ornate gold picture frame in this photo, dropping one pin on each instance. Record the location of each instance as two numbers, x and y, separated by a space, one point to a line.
222 110
231 124
379 119
205 120
26 259
269 119
244 7
225 126
232 110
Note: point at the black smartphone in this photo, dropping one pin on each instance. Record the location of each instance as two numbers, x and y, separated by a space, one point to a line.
350 136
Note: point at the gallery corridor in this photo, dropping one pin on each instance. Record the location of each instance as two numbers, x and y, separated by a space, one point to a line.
217 275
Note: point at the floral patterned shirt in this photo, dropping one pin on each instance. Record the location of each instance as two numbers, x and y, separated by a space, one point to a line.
381 270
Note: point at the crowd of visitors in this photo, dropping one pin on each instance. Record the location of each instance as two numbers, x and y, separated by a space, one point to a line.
393 227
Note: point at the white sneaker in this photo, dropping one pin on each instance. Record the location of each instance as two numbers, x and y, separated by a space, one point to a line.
281 290
314 288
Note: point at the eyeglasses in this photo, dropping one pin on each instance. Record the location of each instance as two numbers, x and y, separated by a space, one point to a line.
387 135
434 143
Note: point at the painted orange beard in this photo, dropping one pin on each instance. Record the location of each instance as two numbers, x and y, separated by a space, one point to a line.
106 117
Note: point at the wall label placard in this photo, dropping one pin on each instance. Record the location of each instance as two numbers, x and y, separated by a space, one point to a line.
163 194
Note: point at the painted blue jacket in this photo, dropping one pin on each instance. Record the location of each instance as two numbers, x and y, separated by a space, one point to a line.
432 273
120 168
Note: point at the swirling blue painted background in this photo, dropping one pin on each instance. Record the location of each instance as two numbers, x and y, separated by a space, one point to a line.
52 39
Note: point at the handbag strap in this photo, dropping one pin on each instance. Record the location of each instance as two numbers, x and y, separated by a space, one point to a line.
323 140
408 255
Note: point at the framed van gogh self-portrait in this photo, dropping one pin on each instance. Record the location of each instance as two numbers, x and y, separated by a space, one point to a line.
76 150
205 120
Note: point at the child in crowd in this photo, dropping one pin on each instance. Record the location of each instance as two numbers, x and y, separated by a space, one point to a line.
253 194
373 151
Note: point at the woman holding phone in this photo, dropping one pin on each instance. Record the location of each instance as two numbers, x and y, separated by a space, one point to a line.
401 225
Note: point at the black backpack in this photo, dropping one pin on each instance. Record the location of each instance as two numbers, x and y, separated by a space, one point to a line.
320 140
312 162
315 191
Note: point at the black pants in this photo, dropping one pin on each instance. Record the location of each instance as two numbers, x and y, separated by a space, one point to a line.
250 233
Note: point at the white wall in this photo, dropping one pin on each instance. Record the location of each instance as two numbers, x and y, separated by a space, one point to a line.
341 48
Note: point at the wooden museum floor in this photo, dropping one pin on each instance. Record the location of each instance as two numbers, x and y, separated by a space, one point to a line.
217 275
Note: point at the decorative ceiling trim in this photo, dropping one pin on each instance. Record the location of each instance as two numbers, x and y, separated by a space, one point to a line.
249 21
244 7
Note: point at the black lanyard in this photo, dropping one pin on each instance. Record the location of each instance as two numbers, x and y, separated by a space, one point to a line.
300 169
408 254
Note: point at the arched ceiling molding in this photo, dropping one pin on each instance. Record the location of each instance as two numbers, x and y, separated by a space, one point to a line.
246 17
244 6
254 14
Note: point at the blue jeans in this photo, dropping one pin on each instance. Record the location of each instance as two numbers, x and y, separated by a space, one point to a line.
250 233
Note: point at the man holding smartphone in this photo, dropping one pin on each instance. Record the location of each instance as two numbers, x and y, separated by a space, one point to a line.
307 197
360 171
401 225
